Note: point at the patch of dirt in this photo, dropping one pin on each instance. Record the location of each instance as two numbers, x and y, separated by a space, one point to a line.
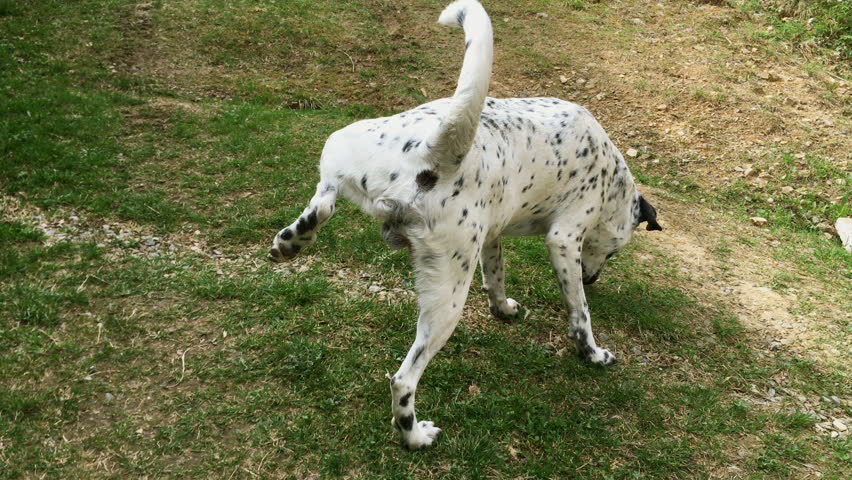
739 277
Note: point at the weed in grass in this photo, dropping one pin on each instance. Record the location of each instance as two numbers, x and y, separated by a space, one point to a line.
17 232
777 453
34 306
783 280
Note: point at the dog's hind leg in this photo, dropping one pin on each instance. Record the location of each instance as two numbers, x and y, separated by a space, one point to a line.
303 232
565 250
442 285
491 262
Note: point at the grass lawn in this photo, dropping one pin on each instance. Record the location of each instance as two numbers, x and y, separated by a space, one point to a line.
148 153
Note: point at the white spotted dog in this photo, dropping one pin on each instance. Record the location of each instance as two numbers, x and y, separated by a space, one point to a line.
448 178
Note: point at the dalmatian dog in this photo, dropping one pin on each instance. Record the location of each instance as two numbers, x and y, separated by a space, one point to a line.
450 177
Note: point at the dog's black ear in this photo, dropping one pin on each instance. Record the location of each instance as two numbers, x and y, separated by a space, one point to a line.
647 213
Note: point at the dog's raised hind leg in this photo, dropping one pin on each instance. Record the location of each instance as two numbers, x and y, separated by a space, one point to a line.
566 257
493 281
303 232
442 284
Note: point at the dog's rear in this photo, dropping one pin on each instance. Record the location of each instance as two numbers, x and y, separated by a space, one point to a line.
381 164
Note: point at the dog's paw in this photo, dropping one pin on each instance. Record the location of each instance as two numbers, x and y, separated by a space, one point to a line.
508 311
600 356
421 436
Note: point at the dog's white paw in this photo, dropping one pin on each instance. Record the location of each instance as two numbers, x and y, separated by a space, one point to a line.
421 436
508 310
601 356
512 306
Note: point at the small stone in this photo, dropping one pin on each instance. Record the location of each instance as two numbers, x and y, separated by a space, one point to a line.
375 288
108 397
835 400
662 106
632 152
87 378
563 79
542 15
638 21
774 346
787 190
838 425
824 227
600 96
759 221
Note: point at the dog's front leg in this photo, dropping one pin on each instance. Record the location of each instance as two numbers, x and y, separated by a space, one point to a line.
566 250
493 280
442 284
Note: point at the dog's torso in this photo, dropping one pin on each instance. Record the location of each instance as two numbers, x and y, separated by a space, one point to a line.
532 160
449 177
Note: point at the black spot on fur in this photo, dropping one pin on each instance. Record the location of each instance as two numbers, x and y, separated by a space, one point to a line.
307 224
287 234
393 176
403 402
364 182
426 180
417 354
407 422
409 145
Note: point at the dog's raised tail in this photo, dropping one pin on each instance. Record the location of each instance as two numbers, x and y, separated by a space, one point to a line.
455 137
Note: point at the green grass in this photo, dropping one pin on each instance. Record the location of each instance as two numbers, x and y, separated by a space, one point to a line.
298 379
828 22
204 361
